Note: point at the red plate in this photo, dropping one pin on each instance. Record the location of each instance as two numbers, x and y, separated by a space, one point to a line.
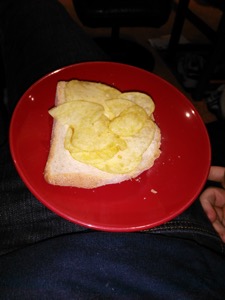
158 195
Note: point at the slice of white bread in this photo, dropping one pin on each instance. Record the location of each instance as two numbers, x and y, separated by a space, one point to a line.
63 170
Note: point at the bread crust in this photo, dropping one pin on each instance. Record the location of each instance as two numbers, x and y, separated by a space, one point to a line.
61 169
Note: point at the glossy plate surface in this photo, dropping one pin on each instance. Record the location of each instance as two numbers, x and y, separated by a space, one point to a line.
158 195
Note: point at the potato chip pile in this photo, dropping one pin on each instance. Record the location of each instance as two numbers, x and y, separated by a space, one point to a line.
107 129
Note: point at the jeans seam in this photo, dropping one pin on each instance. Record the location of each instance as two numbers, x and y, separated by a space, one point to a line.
195 229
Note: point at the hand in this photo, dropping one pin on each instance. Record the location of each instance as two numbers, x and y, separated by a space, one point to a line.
213 201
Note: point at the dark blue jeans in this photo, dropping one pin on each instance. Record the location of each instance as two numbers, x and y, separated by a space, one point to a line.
46 257
97 265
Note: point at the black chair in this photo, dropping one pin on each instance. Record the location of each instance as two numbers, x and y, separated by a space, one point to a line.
119 13
217 39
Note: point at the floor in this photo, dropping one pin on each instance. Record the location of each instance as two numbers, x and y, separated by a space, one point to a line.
142 36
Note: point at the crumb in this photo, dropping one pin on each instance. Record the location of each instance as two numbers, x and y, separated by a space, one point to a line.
138 179
154 191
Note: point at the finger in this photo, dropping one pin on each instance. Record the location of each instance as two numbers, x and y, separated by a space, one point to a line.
207 199
213 203
220 229
214 195
217 174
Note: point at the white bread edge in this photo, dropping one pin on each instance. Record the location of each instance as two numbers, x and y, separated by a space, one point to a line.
61 169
